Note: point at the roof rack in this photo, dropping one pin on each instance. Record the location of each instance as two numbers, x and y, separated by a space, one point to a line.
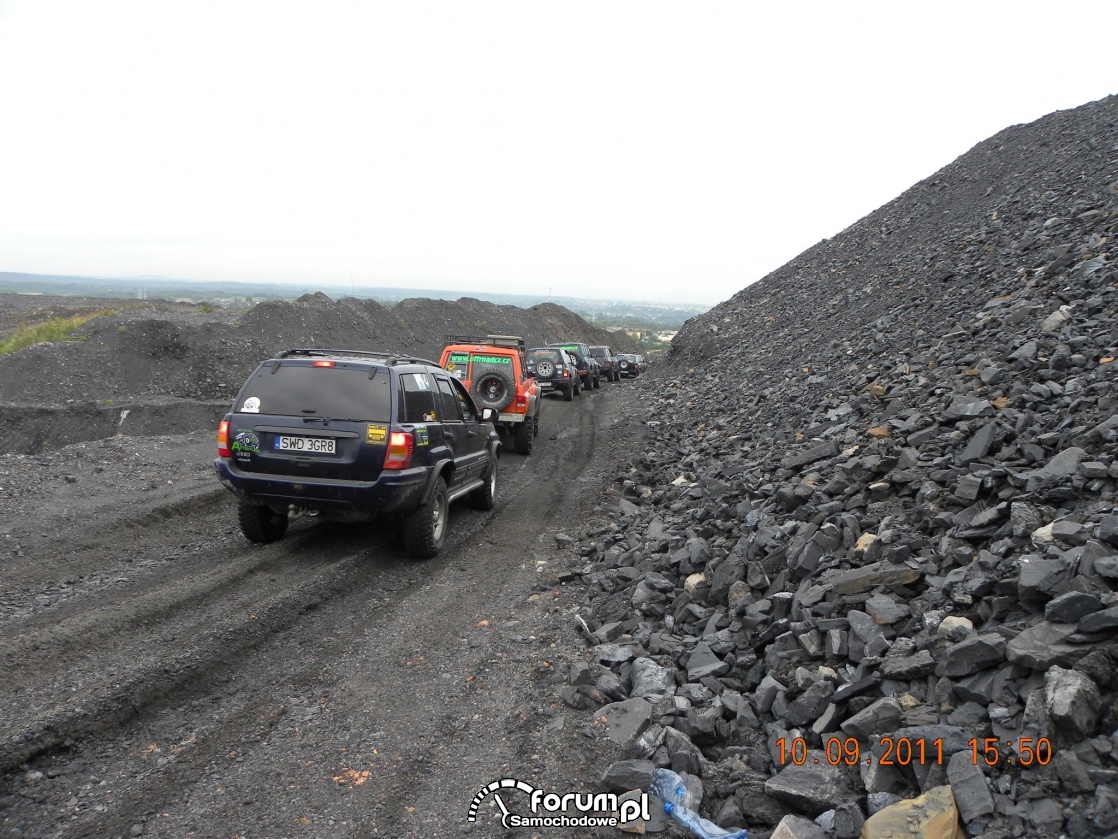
514 341
390 358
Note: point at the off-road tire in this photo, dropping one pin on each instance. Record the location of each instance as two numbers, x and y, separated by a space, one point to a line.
485 497
569 391
425 526
545 369
578 385
494 389
260 523
522 437
597 381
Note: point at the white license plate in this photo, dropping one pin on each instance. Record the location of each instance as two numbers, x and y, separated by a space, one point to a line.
321 445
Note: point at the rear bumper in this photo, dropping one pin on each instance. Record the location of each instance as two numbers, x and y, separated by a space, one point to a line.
391 492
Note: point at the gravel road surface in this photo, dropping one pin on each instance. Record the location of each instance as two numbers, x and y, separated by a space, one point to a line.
168 678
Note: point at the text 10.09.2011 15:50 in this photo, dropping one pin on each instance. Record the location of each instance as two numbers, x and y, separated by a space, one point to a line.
906 751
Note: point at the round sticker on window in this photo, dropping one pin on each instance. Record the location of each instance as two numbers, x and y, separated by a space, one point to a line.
251 406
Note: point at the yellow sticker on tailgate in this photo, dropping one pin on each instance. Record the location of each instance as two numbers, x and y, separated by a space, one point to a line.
376 434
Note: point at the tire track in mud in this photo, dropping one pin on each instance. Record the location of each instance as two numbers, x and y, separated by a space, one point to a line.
206 611
101 537
316 586
132 680
215 711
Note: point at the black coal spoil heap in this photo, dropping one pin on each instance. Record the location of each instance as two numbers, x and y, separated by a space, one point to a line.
870 549
163 368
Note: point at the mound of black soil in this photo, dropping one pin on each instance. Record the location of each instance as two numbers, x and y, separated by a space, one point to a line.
18 310
163 368
876 506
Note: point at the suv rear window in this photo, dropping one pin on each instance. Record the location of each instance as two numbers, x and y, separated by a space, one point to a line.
299 390
550 355
419 399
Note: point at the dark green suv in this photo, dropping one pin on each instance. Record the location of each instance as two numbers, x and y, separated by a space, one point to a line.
554 371
588 369
353 435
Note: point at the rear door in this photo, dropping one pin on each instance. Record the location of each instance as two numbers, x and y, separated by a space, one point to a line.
421 414
460 430
313 418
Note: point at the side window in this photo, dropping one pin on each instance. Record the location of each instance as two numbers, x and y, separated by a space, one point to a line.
418 398
469 412
448 400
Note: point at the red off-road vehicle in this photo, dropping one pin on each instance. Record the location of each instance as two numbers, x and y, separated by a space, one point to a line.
494 369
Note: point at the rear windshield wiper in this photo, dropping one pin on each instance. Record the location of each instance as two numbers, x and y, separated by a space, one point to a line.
328 420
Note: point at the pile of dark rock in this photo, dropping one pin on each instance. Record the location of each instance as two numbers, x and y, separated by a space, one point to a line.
165 368
863 569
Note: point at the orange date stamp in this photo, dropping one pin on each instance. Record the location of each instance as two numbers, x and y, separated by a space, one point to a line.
909 751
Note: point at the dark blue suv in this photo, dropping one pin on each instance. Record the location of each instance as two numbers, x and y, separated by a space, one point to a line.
353 435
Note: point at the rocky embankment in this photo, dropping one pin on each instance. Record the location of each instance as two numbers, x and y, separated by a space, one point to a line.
862 576
165 368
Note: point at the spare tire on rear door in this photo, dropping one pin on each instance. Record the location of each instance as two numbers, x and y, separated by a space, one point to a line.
494 389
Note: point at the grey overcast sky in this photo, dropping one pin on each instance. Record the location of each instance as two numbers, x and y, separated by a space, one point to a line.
658 151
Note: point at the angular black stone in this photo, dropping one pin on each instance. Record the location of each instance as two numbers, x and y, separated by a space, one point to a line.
978 652
1071 607
1104 621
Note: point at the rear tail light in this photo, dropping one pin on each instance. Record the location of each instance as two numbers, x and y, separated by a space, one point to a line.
522 401
400 445
223 449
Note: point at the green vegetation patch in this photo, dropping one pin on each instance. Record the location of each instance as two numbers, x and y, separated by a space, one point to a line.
55 329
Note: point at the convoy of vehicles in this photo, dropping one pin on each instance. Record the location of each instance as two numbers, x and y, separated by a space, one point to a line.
354 435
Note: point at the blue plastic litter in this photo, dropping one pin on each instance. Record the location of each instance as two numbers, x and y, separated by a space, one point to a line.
678 801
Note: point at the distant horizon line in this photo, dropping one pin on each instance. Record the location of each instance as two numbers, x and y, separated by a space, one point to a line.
342 286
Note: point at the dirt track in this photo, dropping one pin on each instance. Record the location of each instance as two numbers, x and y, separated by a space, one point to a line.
166 676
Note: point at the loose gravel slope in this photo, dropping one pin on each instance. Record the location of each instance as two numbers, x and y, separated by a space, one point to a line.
874 503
